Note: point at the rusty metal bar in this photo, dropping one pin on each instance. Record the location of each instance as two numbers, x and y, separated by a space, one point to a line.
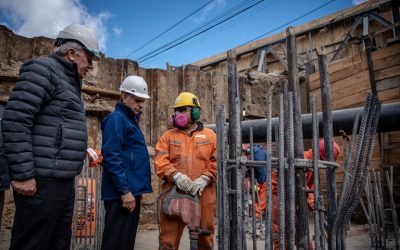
268 218
315 147
232 134
222 183
290 197
301 201
328 135
281 174
253 195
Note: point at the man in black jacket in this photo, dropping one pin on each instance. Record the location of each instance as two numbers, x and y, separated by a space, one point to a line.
4 179
44 133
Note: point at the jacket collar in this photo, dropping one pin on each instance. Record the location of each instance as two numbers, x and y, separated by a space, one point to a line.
69 68
128 112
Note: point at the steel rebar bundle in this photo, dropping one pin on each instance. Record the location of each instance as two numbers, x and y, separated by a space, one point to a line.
356 172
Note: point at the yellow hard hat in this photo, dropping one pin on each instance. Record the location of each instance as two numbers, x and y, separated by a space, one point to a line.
186 99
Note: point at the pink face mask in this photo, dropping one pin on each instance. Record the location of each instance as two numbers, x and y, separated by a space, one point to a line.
178 120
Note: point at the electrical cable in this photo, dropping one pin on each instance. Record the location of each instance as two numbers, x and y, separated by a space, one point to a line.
291 21
168 29
229 25
196 32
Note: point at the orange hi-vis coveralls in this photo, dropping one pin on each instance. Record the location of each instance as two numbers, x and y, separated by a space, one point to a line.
193 155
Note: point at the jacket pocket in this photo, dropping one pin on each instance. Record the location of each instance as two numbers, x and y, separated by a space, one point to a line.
132 161
175 151
59 138
203 150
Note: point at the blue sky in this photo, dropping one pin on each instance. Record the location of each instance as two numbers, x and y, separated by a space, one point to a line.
122 26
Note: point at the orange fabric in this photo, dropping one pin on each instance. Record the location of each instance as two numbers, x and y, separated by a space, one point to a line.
98 161
194 156
308 155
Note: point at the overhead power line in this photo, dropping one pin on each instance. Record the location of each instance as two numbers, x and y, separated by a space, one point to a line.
240 8
173 26
291 21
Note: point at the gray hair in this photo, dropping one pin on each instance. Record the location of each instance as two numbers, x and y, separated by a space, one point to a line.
62 50
124 94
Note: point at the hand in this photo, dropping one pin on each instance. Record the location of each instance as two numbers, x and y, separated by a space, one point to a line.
128 201
27 187
95 157
183 182
199 184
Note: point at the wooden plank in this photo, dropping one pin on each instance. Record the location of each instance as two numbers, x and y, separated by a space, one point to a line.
343 73
389 83
386 62
394 136
385 52
389 94
387 72
342 64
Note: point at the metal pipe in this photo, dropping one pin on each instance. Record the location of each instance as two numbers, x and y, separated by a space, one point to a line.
389 120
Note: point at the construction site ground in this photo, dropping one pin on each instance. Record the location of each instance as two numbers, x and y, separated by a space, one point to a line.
147 237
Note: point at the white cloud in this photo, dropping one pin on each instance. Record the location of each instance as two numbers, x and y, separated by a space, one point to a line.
117 31
204 13
48 17
356 2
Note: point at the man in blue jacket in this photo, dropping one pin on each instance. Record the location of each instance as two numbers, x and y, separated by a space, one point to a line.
126 174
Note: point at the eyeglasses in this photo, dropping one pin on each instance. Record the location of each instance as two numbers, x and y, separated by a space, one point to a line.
89 59
182 110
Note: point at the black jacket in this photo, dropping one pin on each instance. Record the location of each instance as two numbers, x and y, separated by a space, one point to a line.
4 179
44 123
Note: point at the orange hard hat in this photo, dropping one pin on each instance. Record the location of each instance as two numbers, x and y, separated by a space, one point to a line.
336 150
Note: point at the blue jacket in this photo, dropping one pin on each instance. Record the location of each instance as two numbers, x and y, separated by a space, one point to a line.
126 159
260 155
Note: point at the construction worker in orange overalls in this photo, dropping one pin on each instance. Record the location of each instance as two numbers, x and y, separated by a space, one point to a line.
186 157
309 185
260 175
310 174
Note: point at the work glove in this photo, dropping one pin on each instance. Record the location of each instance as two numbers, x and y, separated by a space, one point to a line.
183 182
199 184
95 157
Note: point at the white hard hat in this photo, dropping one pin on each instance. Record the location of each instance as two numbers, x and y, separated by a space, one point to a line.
82 34
135 85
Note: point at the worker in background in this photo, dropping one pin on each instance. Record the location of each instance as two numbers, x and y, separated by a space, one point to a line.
45 139
310 174
186 157
260 175
4 178
126 166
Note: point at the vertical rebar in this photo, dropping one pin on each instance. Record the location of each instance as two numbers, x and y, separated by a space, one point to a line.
290 192
233 131
268 218
328 135
315 148
281 175
389 181
253 196
222 182
301 200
